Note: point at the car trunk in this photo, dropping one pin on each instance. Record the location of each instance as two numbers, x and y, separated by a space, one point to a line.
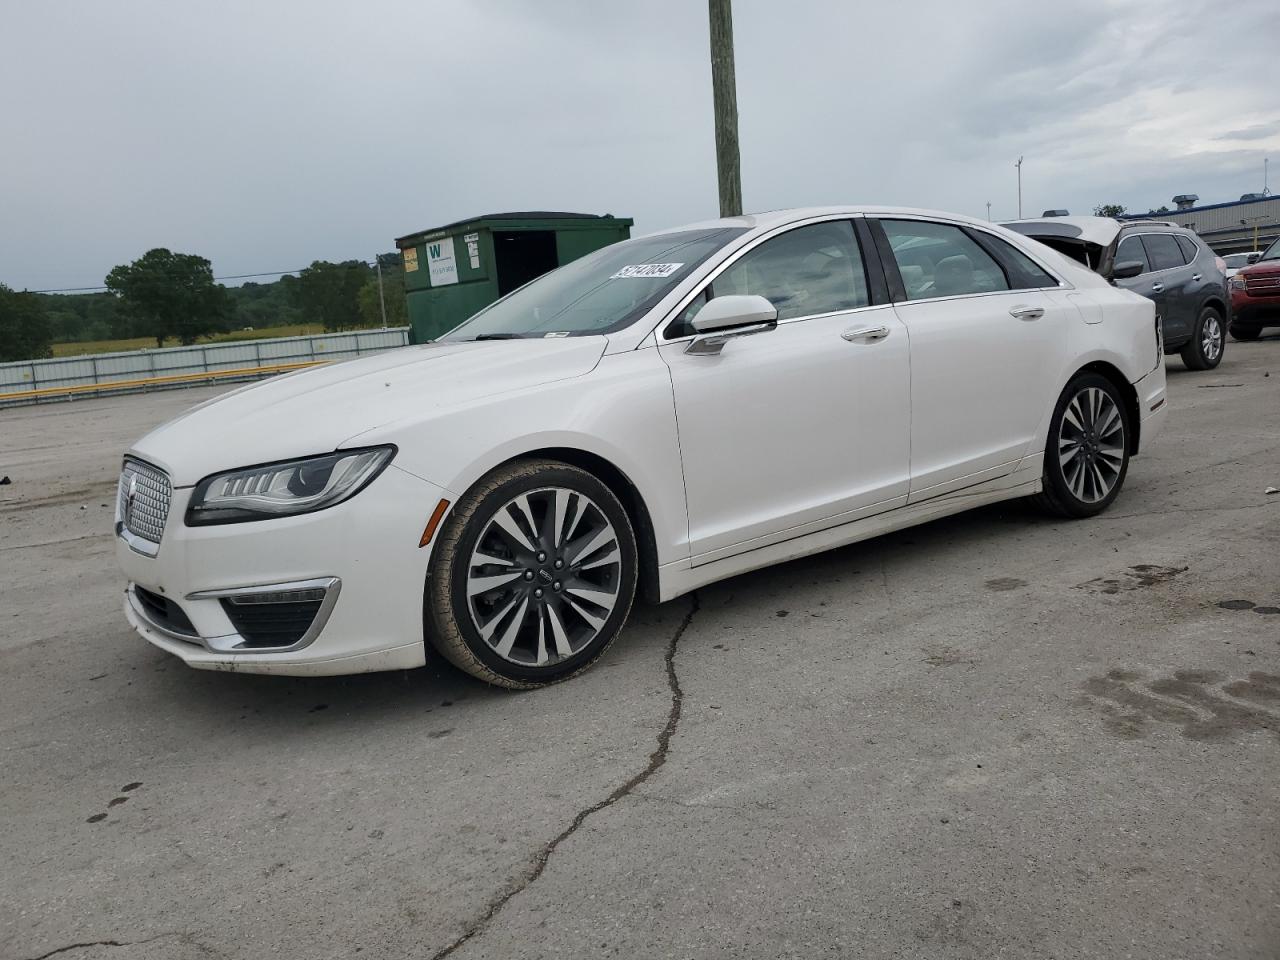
1093 247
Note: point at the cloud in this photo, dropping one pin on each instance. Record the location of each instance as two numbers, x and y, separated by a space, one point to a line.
265 136
1259 131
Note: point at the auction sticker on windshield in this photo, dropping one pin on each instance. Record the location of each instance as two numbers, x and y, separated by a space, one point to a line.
647 270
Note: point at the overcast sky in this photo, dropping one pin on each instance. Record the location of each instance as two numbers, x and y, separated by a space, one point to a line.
268 135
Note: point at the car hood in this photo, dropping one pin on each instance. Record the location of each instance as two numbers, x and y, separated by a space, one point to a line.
1263 268
316 410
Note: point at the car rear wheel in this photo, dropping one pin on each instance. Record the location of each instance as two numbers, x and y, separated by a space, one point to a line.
1087 454
1204 350
533 576
1245 333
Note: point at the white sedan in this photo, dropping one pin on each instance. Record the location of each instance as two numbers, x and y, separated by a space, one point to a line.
658 415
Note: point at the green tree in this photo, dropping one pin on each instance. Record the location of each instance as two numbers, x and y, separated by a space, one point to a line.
25 333
392 295
1163 209
171 295
329 293
1109 210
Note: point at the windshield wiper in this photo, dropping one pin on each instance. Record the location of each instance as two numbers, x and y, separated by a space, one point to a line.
497 336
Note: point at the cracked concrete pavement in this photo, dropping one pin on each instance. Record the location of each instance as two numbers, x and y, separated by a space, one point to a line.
994 735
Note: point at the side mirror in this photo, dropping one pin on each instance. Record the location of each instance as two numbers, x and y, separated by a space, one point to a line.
1255 256
724 318
725 313
1127 269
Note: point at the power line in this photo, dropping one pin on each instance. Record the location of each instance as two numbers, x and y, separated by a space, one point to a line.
239 276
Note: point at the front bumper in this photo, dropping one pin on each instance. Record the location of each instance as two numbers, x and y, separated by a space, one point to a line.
361 556
1247 311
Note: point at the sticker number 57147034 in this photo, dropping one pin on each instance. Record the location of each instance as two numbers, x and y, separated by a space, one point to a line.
647 270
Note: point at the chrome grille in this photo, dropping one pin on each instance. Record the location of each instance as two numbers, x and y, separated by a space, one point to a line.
142 504
1267 284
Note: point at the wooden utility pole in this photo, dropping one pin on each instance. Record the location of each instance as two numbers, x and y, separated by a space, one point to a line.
725 95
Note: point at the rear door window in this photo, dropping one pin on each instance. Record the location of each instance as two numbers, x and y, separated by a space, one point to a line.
1189 248
941 260
1024 273
1131 248
1163 251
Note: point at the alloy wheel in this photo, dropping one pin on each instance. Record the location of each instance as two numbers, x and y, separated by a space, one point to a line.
544 576
1091 444
1211 338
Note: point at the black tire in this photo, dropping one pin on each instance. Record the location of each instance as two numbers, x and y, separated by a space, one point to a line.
1066 492
1245 333
451 611
1208 342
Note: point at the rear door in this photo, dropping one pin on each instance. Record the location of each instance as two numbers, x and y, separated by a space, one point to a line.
987 336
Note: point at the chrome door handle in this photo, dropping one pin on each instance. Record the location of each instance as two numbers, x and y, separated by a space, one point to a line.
1195 276
866 334
1157 288
1026 313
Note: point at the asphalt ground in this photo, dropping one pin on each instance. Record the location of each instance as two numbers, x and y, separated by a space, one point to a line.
996 735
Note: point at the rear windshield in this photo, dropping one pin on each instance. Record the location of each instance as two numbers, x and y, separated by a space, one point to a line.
599 293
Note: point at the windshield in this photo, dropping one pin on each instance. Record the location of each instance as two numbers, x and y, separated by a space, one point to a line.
1273 251
599 293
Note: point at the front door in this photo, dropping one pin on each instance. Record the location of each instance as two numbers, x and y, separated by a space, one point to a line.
786 432
1147 284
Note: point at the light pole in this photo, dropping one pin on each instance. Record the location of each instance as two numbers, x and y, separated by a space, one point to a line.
1019 166
1255 221
724 94
382 300
988 211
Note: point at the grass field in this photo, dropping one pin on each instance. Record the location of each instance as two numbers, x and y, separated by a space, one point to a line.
143 343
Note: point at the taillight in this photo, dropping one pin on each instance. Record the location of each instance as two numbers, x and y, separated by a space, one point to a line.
1222 264
1159 341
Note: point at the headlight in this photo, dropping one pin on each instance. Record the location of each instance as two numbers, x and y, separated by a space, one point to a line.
1237 282
285 489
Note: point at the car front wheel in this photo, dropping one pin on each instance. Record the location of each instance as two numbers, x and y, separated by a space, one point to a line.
533 576
1087 454
1245 333
1204 350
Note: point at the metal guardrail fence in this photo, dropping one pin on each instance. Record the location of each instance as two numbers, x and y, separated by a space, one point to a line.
66 378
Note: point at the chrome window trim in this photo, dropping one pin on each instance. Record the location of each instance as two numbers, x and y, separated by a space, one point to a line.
657 330
234 642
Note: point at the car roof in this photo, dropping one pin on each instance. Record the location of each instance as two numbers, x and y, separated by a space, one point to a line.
777 218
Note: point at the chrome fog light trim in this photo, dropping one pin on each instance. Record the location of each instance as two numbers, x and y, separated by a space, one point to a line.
325 589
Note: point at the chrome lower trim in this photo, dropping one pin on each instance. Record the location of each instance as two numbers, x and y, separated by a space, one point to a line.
136 543
234 642
140 612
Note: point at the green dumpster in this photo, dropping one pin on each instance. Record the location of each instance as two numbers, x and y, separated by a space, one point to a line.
450 272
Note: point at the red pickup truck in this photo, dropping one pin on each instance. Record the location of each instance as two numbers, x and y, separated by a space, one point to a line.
1255 296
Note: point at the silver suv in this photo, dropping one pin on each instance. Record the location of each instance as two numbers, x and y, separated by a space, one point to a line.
1159 260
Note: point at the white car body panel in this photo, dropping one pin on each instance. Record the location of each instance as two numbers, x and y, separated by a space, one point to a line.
788 442
792 426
